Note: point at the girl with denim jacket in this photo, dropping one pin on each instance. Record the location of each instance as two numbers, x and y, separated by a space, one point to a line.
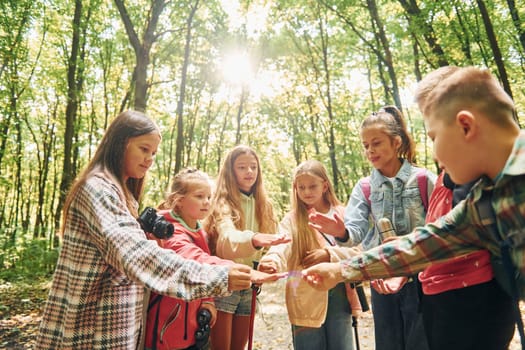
395 195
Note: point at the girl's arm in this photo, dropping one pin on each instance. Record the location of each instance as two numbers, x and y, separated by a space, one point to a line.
233 243
278 255
356 216
131 256
182 244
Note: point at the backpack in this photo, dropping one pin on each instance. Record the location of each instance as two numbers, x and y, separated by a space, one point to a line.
169 325
422 183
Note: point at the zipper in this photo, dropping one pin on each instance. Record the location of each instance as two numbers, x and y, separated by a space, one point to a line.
186 322
171 318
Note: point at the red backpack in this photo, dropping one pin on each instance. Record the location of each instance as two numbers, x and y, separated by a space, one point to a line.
422 183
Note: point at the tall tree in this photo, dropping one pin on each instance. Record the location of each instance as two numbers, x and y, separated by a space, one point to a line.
421 24
179 149
142 47
491 36
516 20
75 81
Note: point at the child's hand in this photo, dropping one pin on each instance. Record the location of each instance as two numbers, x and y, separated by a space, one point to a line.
239 277
259 277
323 276
260 240
210 306
334 226
389 286
316 256
267 266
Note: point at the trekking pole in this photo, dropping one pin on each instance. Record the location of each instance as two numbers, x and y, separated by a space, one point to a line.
364 307
255 290
354 324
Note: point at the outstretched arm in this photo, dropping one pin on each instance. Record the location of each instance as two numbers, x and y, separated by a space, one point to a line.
323 276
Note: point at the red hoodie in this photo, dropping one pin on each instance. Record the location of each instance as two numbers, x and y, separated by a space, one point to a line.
171 322
458 272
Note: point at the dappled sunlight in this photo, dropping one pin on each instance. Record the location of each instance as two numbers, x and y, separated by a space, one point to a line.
238 71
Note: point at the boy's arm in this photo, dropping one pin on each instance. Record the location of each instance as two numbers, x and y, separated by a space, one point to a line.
404 256
447 237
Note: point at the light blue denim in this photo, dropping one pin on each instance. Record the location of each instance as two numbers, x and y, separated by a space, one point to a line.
397 322
335 333
399 201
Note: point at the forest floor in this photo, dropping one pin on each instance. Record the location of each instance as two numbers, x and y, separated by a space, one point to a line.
21 306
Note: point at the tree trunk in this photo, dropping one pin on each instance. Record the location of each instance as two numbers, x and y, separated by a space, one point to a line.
179 148
142 49
417 21
240 110
517 22
68 173
498 58
387 56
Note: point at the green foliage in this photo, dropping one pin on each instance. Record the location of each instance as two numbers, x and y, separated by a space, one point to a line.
26 259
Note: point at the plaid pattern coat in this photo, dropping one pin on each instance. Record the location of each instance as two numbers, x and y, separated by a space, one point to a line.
96 297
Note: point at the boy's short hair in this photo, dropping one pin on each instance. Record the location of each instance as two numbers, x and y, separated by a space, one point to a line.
448 90
429 82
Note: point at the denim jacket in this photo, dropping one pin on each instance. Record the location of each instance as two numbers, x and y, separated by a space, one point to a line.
398 200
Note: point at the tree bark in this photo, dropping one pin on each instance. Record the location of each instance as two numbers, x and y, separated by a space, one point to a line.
517 22
142 49
68 173
498 58
179 147
416 20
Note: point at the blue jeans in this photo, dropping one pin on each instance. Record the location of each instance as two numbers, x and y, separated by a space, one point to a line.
398 324
336 331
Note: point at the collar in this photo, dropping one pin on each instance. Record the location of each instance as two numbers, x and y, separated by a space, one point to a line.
377 179
180 220
515 164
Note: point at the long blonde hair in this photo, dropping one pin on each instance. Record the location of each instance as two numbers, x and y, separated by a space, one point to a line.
226 199
304 238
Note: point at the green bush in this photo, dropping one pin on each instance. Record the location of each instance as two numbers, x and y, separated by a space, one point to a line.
27 260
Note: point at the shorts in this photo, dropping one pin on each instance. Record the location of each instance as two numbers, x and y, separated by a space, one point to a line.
239 303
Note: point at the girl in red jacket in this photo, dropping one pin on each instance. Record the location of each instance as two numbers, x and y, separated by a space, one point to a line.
174 323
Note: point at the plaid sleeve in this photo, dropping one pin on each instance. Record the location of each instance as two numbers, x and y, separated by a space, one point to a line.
125 248
409 254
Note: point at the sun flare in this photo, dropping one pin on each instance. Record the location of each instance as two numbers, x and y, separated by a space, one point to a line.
237 69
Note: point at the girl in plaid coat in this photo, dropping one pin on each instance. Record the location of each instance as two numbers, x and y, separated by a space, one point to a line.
106 261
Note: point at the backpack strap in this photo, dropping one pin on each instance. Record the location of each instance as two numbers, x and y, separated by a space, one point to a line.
365 187
155 300
422 183
508 282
